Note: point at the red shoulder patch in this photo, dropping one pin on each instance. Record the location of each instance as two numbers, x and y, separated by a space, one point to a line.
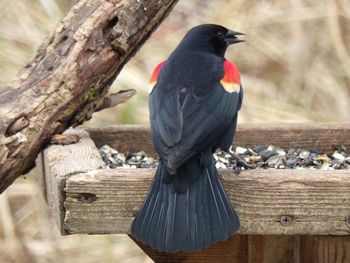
154 76
231 81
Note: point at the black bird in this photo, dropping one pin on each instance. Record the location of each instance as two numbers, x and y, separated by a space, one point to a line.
194 99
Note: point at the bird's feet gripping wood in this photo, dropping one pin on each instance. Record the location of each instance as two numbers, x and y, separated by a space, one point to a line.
238 162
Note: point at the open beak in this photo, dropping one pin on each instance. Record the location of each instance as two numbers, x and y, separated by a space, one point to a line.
231 37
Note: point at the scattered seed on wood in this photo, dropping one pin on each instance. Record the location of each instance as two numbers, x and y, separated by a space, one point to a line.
115 159
244 158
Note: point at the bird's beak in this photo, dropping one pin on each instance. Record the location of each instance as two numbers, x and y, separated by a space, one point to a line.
231 37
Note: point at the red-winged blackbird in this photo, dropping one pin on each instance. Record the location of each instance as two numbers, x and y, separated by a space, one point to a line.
194 99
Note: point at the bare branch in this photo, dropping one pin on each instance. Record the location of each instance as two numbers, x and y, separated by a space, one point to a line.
70 74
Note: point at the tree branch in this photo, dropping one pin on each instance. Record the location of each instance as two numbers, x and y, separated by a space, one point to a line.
70 75
114 99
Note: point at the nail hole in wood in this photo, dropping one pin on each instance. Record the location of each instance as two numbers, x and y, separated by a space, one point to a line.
87 198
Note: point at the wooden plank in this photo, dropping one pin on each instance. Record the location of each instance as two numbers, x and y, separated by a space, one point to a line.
124 138
325 249
233 250
273 248
275 206
320 136
313 202
60 162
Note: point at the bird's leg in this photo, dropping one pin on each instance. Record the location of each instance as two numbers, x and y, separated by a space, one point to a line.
239 162
206 158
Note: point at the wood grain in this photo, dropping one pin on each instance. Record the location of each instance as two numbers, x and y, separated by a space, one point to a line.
319 136
325 249
313 202
273 248
317 202
232 250
265 249
124 138
63 161
70 75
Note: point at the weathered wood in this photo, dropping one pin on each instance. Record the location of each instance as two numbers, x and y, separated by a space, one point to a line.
267 249
69 76
124 138
114 99
320 136
64 139
325 249
277 207
63 161
315 202
232 250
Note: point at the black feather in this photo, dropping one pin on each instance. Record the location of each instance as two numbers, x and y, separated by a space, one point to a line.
191 115
185 221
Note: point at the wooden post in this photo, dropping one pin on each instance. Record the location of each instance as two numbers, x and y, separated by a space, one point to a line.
77 158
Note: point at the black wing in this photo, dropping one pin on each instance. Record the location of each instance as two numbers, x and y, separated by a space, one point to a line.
183 124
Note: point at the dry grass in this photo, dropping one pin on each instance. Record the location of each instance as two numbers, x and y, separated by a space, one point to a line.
295 67
295 64
28 234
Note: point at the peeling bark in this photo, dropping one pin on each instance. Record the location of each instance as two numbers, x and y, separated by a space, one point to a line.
70 74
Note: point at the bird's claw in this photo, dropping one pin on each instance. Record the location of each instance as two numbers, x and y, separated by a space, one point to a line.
237 169
239 163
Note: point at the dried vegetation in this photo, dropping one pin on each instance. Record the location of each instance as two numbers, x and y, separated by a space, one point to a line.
295 67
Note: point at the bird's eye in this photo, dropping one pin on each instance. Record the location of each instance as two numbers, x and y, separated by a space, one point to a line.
220 34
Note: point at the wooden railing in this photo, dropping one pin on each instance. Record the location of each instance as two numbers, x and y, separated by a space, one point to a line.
283 212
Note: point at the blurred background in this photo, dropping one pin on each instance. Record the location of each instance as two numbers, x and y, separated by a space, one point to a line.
295 67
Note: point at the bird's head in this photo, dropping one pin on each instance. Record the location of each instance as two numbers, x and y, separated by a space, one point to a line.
210 37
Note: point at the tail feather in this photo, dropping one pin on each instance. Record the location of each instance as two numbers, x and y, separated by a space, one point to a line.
215 211
231 217
171 220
